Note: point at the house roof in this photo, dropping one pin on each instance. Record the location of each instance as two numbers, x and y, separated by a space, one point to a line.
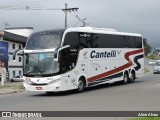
17 34
14 37
22 31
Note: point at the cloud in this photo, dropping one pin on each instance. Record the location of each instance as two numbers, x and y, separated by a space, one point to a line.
141 16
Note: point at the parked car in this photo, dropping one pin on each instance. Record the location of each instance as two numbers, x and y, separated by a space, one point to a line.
151 62
17 79
157 67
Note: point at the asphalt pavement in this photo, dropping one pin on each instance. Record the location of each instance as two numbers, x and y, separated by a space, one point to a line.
142 95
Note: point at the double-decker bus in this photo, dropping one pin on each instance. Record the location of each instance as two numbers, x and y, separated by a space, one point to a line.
75 58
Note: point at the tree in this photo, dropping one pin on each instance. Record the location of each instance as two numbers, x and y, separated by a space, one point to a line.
147 47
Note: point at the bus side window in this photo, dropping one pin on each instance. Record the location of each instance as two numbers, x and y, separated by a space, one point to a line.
82 40
126 41
132 43
138 42
72 40
90 40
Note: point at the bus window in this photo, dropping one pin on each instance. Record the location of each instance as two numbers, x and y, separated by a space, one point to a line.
83 40
65 60
94 41
72 40
138 42
38 40
126 41
132 43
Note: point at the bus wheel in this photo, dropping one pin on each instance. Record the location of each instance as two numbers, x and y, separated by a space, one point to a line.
80 85
125 78
133 77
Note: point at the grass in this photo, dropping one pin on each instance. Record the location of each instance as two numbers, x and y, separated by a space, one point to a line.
146 70
19 87
146 118
153 57
13 85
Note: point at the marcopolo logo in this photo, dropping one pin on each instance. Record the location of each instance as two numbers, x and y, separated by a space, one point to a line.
105 54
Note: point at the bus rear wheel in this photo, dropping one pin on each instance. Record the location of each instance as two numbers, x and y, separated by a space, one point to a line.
125 78
133 77
81 85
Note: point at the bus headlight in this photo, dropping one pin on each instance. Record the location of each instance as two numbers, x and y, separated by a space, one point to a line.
54 81
28 81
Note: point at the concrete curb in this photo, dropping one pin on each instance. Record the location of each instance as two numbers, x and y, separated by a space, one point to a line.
10 91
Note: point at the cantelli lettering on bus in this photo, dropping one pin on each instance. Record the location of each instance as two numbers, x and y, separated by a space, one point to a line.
105 54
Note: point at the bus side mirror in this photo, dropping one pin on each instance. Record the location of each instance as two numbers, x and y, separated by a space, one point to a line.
15 54
57 52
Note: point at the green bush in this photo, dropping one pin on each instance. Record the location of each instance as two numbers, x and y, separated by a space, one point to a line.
153 57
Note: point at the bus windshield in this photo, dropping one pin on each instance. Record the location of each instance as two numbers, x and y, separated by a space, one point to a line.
37 64
44 40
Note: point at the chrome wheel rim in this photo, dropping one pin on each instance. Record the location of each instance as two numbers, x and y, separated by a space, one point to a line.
125 79
132 77
80 85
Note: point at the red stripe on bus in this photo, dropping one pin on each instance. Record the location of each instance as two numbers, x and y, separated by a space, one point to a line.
91 79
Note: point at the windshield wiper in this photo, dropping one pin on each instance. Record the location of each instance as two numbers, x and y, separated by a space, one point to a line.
29 73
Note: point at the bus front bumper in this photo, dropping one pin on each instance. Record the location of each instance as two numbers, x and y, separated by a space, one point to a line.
46 88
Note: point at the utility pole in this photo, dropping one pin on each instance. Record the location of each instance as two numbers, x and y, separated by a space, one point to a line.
65 25
68 10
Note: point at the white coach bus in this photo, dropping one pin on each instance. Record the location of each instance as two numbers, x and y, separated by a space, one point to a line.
75 58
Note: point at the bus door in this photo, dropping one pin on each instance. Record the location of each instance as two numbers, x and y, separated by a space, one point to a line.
71 58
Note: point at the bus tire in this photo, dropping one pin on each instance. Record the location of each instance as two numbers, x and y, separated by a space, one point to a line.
81 85
133 77
125 78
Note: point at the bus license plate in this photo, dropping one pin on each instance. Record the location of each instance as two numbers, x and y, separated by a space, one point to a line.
39 88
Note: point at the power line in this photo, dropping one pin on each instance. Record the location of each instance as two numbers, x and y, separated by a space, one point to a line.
27 8
79 19
66 10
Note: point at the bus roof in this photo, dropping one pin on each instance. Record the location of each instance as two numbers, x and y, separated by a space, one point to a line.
100 30
92 30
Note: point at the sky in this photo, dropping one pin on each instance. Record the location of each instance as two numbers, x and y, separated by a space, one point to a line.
135 16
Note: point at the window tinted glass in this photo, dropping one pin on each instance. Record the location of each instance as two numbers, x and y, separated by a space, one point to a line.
138 42
132 43
108 41
96 40
44 40
114 41
83 41
72 39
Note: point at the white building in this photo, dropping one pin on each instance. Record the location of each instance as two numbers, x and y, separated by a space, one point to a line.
16 38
